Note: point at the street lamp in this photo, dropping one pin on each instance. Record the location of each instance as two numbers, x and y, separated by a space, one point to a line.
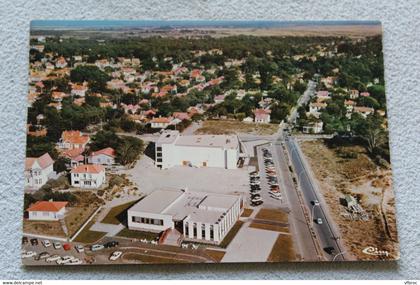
340 253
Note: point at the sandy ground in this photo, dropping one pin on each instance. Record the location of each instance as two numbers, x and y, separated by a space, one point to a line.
360 178
149 178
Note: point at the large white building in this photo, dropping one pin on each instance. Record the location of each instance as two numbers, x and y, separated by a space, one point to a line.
173 149
198 216
38 170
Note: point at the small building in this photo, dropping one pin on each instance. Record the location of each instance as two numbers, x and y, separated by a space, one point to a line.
364 111
79 90
38 170
354 94
219 99
316 107
89 176
198 216
104 156
160 122
262 116
75 155
173 149
61 62
47 211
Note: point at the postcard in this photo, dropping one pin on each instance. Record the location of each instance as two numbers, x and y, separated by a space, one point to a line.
207 142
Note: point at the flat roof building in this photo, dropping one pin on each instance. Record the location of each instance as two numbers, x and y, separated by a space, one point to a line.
198 216
197 150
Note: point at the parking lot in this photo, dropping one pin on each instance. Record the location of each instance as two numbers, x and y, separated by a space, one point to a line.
265 185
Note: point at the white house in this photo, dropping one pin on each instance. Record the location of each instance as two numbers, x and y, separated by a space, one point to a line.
160 123
364 111
198 216
47 211
316 107
61 62
38 170
90 176
172 149
79 90
104 156
262 116
72 139
313 127
75 155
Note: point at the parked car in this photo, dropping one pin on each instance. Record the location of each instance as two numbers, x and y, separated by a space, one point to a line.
52 258
25 240
329 249
315 202
57 245
111 244
64 259
46 243
96 247
253 200
66 246
115 255
256 203
80 248
34 241
28 254
319 221
74 261
42 255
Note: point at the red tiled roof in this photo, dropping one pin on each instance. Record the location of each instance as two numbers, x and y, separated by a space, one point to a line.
46 206
74 137
44 161
160 120
88 168
73 153
109 151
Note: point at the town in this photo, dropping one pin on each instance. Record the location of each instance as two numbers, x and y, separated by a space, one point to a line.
193 148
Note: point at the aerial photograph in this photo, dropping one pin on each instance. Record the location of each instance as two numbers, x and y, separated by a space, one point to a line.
206 142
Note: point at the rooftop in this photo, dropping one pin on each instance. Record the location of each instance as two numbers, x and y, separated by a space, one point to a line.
197 206
225 141
47 206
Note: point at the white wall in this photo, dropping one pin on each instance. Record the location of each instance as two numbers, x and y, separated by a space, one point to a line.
37 177
101 159
167 221
96 179
46 216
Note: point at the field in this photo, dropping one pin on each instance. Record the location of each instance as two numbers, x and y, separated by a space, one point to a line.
371 186
217 255
88 236
282 250
219 127
272 215
52 228
231 234
147 258
269 227
247 212
137 234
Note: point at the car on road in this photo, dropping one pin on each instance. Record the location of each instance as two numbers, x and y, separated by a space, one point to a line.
319 221
275 193
28 254
66 246
52 258
115 255
315 202
329 249
256 199
57 245
111 244
96 247
34 241
255 196
46 243
80 248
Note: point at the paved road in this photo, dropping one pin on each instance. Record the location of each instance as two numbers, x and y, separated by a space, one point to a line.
306 96
325 231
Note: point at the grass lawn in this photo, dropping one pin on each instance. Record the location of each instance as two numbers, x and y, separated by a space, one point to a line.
220 127
246 213
272 215
117 215
76 216
52 228
231 234
138 234
144 258
282 250
88 236
217 255
269 227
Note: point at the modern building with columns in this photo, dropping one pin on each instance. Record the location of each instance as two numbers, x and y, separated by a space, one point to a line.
198 216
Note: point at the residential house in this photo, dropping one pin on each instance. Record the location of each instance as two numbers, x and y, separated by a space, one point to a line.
323 95
219 99
61 62
313 127
160 122
364 111
73 139
89 176
354 94
79 90
75 155
365 94
316 107
38 170
47 211
104 156
349 104
262 116
181 116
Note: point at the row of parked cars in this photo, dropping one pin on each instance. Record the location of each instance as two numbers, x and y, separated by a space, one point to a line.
114 256
48 257
48 244
255 191
271 174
